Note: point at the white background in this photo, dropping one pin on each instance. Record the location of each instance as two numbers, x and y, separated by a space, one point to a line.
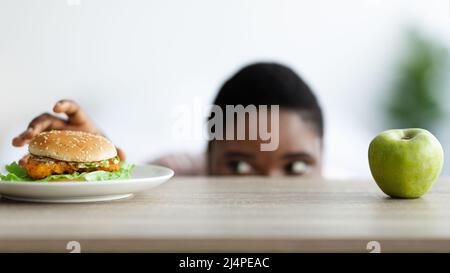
131 63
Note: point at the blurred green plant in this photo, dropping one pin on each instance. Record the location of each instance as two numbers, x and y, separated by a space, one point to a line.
419 92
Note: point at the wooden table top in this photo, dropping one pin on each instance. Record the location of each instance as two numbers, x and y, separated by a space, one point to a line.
236 215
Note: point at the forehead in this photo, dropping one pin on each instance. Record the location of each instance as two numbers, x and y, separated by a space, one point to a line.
295 135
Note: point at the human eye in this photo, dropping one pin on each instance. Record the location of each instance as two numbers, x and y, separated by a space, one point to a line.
240 167
297 167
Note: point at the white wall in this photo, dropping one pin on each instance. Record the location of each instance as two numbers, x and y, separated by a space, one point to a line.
130 62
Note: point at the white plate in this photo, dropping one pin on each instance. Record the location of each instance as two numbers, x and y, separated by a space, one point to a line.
142 178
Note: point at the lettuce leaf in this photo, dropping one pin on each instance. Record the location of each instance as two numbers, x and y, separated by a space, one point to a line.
17 173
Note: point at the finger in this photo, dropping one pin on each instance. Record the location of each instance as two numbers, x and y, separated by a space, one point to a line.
45 122
24 160
23 138
72 110
41 123
121 154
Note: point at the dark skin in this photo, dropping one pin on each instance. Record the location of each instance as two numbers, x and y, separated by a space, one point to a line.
299 152
77 120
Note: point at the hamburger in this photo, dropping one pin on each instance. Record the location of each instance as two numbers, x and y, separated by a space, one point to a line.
70 156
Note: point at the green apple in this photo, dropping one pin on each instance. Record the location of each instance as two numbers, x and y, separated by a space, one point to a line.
405 162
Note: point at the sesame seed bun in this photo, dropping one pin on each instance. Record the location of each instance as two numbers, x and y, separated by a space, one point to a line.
72 146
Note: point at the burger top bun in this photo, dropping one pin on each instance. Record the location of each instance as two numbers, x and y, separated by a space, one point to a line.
72 146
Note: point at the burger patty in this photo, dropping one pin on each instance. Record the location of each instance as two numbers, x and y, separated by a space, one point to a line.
41 167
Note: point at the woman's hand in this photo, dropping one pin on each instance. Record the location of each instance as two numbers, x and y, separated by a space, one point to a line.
77 120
